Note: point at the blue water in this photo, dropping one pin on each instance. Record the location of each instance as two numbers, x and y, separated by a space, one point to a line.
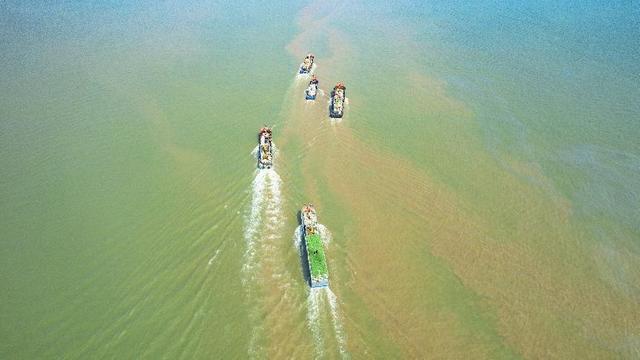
555 83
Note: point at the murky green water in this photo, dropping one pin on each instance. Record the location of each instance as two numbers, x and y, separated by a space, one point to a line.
479 197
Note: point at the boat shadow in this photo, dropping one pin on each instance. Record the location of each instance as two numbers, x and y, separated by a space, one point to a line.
302 251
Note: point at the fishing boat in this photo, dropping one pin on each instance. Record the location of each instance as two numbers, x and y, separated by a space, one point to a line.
265 148
338 96
318 271
312 90
307 64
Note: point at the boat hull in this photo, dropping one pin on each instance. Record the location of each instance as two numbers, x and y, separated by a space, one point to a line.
333 112
310 95
306 70
264 157
262 165
314 251
311 91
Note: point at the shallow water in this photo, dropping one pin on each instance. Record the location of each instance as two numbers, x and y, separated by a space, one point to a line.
479 198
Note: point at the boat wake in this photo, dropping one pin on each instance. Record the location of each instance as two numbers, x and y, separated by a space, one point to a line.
313 320
297 238
325 234
262 222
214 257
323 301
253 222
336 320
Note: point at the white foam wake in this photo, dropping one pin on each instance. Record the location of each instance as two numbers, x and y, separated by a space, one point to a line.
337 323
324 301
253 222
262 222
214 257
313 320
325 234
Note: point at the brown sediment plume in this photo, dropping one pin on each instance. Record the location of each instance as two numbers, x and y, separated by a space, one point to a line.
317 24
312 20
444 277
534 284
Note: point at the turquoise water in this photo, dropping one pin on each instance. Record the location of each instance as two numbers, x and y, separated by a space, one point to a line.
480 196
553 84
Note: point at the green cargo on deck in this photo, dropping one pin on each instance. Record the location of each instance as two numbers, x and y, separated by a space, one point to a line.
317 261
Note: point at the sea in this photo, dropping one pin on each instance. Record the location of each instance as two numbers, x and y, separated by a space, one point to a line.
480 198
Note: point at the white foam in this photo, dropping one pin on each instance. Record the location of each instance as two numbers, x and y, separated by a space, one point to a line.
261 222
213 258
265 214
313 319
253 222
337 323
325 234
316 306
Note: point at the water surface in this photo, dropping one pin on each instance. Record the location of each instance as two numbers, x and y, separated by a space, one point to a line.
479 198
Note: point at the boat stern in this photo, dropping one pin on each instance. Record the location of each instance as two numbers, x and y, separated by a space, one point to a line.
319 283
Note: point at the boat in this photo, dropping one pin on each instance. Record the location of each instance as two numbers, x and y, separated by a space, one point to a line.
307 64
265 148
316 260
312 90
338 97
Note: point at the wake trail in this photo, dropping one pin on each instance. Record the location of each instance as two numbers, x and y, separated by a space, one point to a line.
322 301
297 238
262 222
337 323
253 222
325 234
313 320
